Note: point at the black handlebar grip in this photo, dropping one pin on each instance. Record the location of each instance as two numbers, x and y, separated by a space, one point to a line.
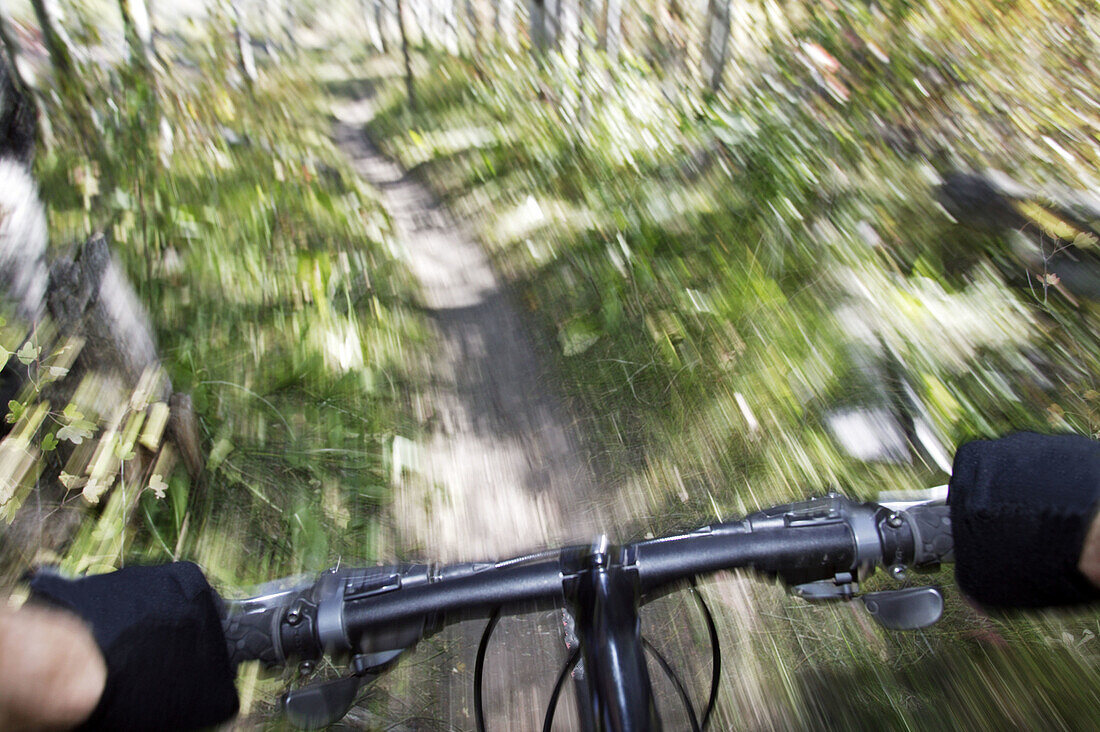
252 636
933 542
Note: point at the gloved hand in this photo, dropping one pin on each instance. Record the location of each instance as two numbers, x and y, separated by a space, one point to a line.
1021 507
160 632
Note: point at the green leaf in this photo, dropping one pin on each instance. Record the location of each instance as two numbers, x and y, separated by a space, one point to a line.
75 433
121 200
28 353
70 481
49 442
577 337
158 485
218 453
15 411
325 200
180 488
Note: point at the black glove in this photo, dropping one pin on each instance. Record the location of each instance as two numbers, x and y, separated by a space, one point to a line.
1020 509
159 629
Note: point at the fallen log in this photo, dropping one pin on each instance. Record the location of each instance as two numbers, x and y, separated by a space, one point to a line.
1054 232
89 404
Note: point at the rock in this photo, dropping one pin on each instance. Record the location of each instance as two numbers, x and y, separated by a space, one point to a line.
23 272
978 202
90 297
18 119
96 343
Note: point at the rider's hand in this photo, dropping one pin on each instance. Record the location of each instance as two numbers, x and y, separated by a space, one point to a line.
51 671
160 632
1021 510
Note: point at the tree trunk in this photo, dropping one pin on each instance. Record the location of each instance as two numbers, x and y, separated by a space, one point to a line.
474 26
554 17
151 8
504 22
381 22
569 31
410 88
74 97
611 29
289 20
569 38
716 43
368 9
587 39
449 21
540 38
246 61
138 31
57 41
656 50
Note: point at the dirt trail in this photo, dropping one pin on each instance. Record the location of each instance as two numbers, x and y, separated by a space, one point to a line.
500 471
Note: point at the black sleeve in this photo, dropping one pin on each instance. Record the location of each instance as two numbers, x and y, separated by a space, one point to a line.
159 629
1020 509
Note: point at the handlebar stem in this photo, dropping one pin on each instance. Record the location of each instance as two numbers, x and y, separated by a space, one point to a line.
603 596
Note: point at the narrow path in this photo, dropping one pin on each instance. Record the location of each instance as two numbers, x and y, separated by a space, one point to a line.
500 472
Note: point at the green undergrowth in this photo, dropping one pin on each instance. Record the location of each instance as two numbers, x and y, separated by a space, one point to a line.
718 277
278 306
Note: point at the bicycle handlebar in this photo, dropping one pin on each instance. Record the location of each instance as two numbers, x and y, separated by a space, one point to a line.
821 548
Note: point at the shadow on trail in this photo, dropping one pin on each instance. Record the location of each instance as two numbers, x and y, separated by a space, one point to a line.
501 394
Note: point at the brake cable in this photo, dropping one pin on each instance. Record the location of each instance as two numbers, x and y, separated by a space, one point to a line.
574 658
676 682
552 705
479 667
715 654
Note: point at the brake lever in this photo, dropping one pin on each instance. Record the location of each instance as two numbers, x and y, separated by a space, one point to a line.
905 609
321 704
900 609
324 703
